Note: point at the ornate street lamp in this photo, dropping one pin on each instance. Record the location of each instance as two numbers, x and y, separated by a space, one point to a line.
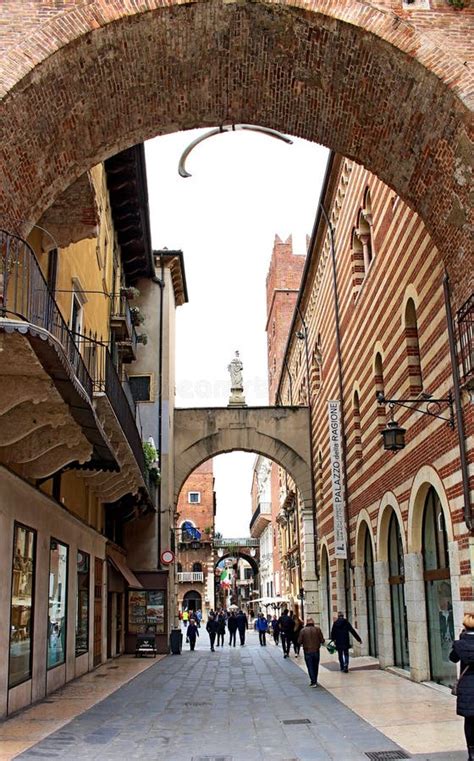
394 435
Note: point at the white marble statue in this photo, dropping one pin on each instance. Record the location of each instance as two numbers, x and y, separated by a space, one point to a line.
235 368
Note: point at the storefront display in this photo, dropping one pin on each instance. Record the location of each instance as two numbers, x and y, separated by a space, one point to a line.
58 560
21 623
82 611
146 611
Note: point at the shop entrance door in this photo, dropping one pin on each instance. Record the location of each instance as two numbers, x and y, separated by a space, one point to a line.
98 575
396 580
439 603
370 595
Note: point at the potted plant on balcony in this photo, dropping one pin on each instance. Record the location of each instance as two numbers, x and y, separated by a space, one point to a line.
136 316
152 462
142 338
129 292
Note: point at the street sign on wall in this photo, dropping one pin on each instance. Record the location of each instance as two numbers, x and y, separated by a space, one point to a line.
334 413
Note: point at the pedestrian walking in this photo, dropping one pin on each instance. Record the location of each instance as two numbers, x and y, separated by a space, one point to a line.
286 625
232 626
340 631
311 637
296 633
198 618
191 633
221 621
262 628
211 628
463 650
242 626
275 630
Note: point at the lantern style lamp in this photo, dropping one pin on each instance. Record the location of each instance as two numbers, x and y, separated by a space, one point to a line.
393 437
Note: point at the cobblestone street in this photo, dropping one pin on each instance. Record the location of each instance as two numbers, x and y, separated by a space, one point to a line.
230 705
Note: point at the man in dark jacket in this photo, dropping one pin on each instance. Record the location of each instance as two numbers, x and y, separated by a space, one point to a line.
311 637
242 625
463 650
340 631
232 627
211 628
286 626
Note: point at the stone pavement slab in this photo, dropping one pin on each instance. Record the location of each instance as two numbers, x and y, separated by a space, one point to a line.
230 705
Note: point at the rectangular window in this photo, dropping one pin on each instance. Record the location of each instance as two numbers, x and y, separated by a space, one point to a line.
140 386
194 497
82 611
21 620
58 559
146 612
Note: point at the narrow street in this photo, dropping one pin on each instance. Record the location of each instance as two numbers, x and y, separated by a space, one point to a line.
231 705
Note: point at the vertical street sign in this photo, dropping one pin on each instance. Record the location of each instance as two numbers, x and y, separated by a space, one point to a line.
334 412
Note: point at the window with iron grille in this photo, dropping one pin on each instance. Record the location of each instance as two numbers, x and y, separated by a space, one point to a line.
140 386
465 320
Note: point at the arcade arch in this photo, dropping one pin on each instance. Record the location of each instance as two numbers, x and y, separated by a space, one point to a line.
198 64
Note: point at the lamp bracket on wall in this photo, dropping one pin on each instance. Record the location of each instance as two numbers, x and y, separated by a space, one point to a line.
432 407
226 128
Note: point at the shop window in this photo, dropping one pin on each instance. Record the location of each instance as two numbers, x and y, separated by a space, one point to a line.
439 602
82 611
194 497
146 612
397 594
21 615
370 594
57 605
413 349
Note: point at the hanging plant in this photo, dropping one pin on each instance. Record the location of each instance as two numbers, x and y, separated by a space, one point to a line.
151 462
136 316
129 292
142 338
458 4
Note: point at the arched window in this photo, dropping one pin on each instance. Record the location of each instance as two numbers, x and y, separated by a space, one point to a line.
413 349
379 388
180 567
316 363
439 602
396 578
357 431
370 594
358 270
197 567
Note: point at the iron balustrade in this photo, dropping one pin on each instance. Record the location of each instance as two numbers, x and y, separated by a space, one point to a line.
105 380
187 576
25 296
465 321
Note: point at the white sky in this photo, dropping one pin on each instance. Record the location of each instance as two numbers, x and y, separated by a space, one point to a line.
244 189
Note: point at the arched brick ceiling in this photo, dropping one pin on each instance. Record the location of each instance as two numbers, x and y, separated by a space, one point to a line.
361 81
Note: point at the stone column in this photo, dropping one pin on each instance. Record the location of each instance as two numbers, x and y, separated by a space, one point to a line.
310 584
416 617
384 613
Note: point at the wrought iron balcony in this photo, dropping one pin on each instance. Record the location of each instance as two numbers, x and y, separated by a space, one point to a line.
121 323
24 295
105 380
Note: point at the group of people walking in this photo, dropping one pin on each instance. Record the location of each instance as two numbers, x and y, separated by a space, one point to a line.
221 620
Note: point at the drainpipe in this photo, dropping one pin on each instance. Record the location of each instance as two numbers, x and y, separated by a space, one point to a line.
467 510
161 283
340 373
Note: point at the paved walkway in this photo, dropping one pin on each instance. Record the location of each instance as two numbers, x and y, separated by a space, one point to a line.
231 705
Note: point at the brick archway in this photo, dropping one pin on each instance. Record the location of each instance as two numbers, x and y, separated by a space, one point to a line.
98 77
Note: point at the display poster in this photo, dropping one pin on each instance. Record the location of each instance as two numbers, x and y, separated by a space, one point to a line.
146 611
334 413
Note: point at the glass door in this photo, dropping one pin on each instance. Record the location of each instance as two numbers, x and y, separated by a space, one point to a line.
397 595
370 595
439 603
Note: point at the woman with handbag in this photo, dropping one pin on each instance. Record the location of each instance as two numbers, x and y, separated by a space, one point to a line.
463 650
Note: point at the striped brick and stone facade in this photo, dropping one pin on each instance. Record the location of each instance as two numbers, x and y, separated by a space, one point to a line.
410 553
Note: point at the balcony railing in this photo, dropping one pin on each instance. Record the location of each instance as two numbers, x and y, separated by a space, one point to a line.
105 380
465 320
24 295
190 576
240 542
263 508
121 322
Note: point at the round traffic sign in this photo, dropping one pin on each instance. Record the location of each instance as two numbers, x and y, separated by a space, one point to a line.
167 557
